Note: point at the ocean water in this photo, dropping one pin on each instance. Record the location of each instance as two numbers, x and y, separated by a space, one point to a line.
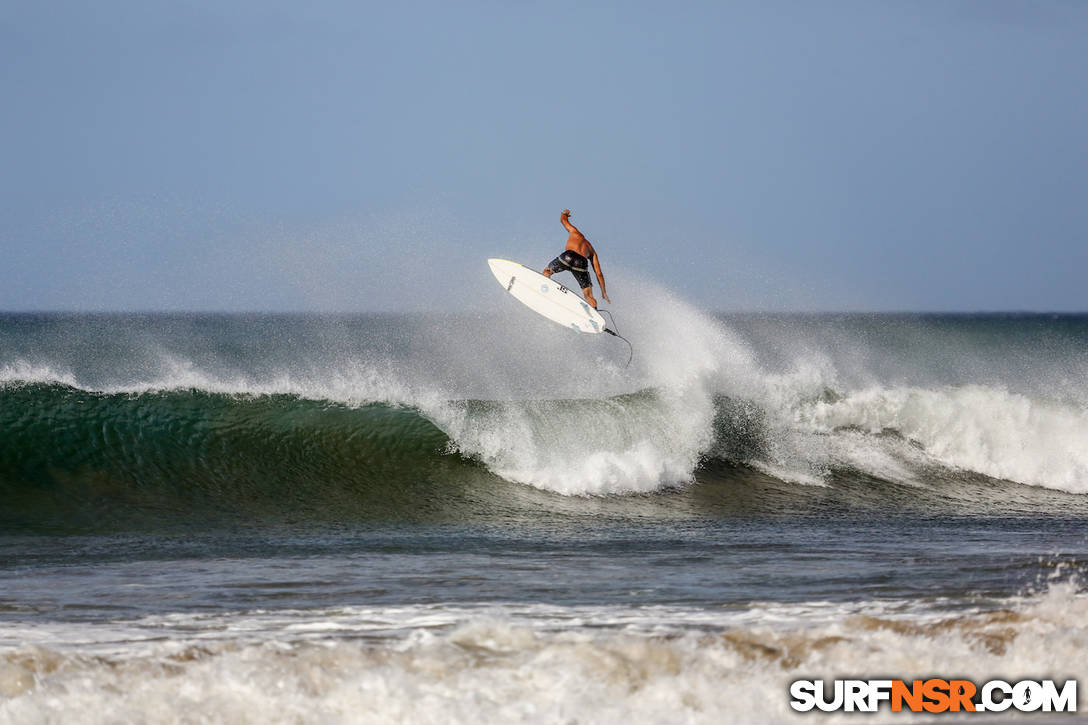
487 518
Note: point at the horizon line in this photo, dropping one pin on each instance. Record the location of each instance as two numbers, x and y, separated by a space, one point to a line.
297 313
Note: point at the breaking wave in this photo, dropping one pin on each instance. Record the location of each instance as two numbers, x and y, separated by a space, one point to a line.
417 405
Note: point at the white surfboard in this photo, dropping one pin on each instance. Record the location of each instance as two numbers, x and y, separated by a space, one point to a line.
546 296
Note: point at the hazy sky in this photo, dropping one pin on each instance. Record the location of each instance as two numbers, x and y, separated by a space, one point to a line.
184 155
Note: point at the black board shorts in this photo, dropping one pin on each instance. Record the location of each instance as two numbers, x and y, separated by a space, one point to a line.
576 264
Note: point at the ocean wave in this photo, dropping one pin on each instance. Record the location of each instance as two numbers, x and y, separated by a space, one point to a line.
76 458
790 399
79 457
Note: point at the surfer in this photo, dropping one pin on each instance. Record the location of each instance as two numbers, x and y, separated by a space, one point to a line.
575 259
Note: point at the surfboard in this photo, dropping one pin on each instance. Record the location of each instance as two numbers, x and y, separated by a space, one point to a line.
547 297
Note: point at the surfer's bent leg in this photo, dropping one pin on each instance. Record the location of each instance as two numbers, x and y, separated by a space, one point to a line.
556 265
587 292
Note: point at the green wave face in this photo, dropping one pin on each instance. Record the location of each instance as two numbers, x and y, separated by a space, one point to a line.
71 458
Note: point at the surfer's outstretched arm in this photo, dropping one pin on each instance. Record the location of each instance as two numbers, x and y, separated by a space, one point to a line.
600 275
565 219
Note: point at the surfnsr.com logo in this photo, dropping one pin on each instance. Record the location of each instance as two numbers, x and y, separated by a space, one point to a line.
933 695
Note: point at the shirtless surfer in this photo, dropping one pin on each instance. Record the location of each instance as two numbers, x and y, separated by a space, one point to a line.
576 260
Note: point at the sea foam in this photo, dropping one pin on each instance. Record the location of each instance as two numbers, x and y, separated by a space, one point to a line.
523 663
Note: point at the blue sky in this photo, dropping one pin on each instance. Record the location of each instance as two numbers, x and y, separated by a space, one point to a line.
369 156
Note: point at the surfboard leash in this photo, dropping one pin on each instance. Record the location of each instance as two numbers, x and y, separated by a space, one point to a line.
615 333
